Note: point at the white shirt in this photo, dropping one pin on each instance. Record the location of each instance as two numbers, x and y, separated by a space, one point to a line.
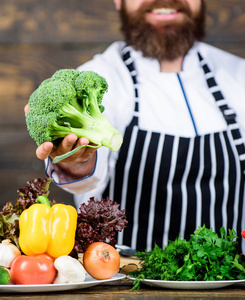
162 107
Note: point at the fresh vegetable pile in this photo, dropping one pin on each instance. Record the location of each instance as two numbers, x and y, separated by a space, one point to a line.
42 239
205 256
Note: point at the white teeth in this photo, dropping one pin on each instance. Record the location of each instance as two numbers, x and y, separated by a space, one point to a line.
164 11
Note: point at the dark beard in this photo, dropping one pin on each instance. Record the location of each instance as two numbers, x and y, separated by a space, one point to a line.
166 43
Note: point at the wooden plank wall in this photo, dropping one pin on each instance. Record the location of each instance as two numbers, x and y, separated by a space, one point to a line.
39 37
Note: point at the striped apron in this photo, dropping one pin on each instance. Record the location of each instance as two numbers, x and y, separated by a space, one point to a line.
170 185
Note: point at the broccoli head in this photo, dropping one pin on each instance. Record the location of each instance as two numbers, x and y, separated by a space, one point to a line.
71 102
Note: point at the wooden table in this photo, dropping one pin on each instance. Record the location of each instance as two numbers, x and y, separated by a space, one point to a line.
121 290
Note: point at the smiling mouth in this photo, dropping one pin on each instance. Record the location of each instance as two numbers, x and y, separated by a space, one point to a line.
164 11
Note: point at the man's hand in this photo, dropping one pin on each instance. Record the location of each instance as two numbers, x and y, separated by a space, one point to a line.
66 145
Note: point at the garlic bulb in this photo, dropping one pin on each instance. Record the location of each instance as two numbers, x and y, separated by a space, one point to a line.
8 252
69 270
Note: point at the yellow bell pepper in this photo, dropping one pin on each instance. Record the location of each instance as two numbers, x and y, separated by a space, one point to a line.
46 229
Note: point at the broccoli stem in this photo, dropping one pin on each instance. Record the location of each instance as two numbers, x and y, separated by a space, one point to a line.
101 132
61 157
98 136
74 117
93 102
97 129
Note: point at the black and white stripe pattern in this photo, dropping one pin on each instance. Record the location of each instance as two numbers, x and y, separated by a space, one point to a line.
228 113
178 188
130 65
169 185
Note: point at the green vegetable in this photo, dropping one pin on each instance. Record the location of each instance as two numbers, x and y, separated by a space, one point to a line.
70 102
4 276
206 256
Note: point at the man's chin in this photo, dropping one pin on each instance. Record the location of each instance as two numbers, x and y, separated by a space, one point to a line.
165 43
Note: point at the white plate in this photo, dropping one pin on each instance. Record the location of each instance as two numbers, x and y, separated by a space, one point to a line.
34 288
189 285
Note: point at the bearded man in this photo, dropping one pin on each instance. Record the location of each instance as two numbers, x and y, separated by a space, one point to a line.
179 104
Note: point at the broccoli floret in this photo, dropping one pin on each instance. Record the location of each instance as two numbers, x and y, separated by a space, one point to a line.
70 102
51 96
68 75
91 87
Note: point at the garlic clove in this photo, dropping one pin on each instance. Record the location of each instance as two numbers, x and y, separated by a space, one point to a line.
8 252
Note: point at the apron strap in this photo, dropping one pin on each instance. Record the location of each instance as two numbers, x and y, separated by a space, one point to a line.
126 56
227 112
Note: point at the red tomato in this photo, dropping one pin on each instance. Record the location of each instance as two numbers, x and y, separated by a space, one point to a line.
243 234
38 269
101 260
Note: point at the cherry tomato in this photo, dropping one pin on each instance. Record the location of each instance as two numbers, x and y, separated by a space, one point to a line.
101 260
243 234
38 269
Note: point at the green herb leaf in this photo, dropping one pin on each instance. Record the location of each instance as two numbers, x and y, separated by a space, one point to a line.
206 256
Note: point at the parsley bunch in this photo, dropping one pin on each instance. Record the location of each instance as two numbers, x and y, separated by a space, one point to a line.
206 256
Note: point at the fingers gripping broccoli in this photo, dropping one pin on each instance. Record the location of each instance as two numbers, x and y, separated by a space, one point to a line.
71 102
